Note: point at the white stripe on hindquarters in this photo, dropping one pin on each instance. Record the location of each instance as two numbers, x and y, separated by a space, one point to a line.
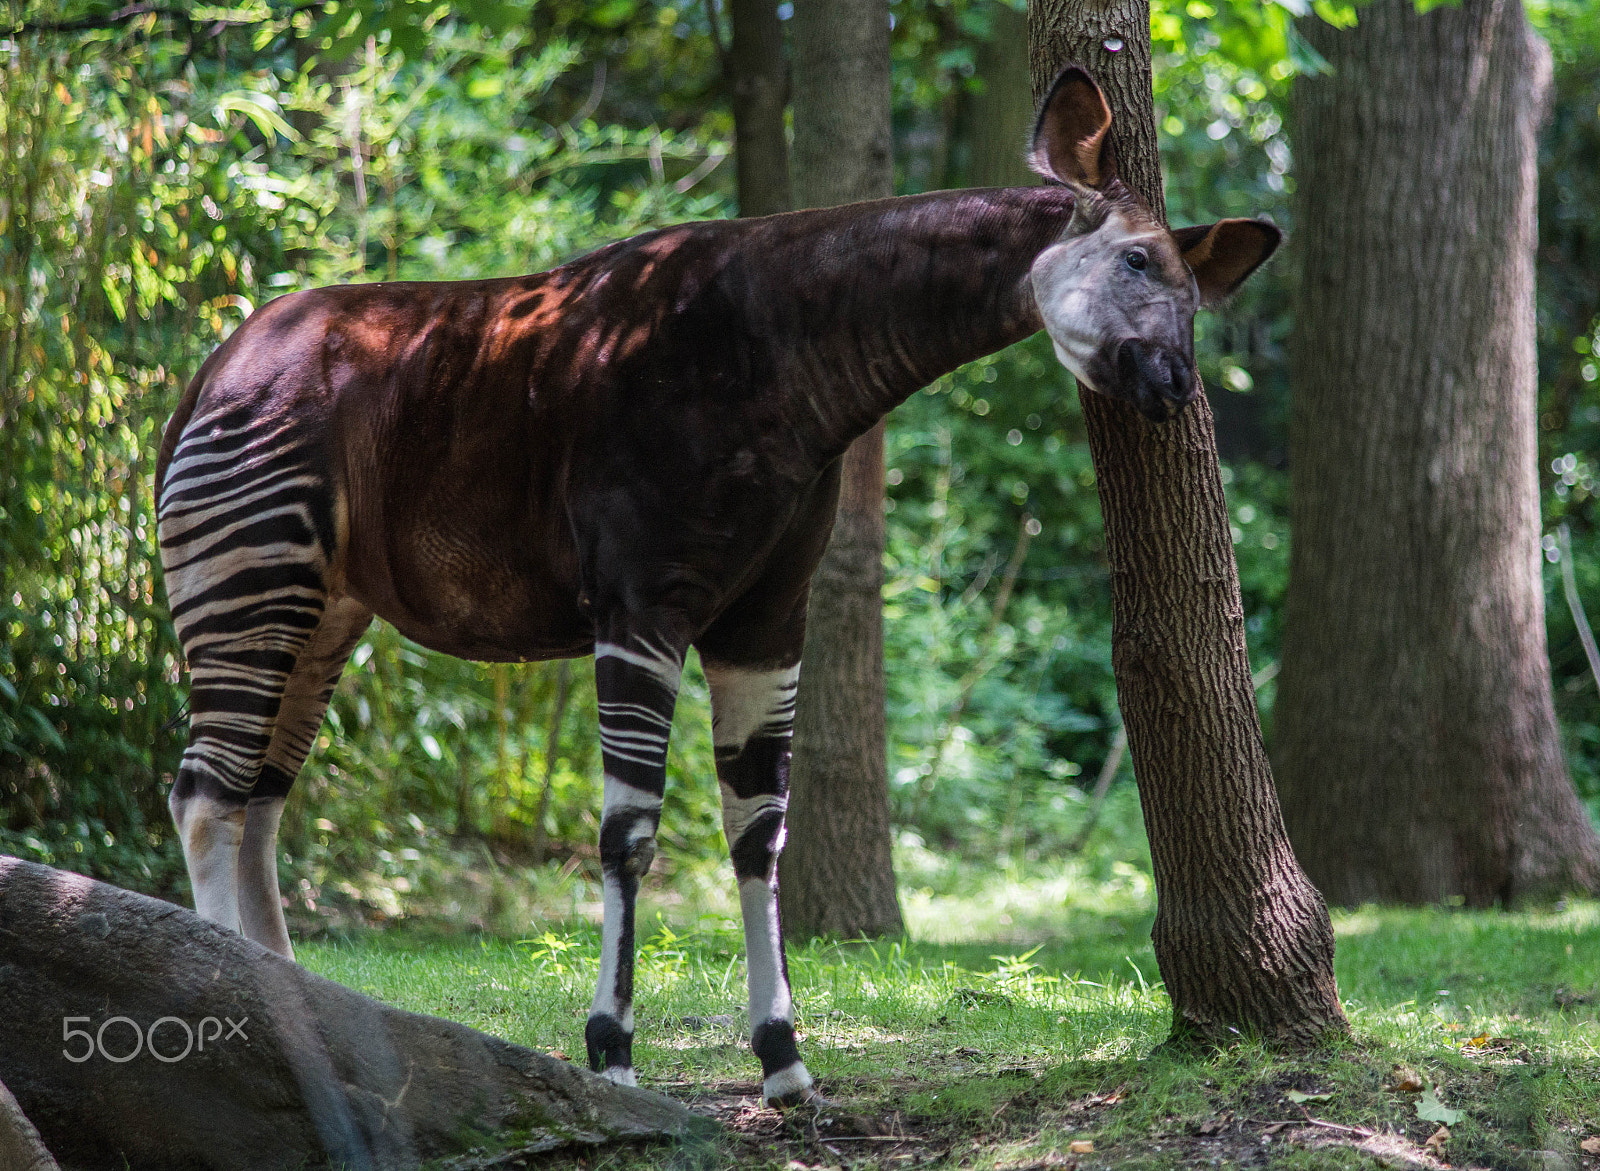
746 702
660 662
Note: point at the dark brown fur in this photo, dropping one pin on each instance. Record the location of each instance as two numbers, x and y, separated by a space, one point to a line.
652 424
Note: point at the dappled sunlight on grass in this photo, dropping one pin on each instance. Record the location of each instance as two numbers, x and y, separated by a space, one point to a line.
1056 1035
1096 893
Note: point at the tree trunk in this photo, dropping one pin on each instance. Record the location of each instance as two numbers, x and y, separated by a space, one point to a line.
759 87
992 123
1242 938
837 873
1417 748
138 1035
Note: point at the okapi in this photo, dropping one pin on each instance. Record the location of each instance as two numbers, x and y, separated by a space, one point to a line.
632 454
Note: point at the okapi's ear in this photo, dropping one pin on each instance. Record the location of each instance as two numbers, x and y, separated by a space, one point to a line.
1223 254
1071 139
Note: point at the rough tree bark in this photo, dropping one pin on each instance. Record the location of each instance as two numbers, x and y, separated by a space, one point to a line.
314 1074
1242 938
758 86
1417 751
836 876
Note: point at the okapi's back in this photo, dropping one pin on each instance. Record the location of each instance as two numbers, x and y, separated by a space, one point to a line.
431 426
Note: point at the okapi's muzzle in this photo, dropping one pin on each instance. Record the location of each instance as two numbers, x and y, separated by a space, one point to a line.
1158 380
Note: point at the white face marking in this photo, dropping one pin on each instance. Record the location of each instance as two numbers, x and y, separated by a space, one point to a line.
1075 282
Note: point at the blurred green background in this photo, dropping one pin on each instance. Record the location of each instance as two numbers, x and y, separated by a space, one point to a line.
163 177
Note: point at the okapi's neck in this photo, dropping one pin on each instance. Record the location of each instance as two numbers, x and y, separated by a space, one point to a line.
896 293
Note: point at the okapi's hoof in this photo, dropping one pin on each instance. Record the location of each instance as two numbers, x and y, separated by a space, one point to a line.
808 1096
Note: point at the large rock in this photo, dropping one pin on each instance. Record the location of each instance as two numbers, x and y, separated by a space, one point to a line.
21 1149
258 1063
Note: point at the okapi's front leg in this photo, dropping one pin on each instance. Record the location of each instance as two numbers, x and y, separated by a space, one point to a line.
752 721
636 685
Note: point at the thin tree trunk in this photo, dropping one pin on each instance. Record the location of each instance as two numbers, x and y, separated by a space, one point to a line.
758 86
1242 938
1417 747
552 752
837 873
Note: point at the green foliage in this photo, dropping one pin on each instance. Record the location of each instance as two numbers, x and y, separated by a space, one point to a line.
1000 1055
1569 369
156 191
163 177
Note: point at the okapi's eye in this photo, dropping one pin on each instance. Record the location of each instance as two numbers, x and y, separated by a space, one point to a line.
1136 259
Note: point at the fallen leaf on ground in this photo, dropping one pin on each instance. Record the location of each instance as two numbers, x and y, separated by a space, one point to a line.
1477 1042
1210 1126
1431 1109
1590 1146
1405 1080
1299 1096
1081 1147
1437 1140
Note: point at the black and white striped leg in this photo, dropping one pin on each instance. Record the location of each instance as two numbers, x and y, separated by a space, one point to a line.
636 685
246 528
752 721
234 698
305 701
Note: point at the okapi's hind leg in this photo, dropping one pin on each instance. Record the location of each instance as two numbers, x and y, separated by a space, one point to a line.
236 685
246 523
305 701
636 686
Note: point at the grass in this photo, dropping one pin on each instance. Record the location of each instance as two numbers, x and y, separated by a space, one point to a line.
958 1050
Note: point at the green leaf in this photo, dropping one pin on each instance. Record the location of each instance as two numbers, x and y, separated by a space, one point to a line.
259 108
1297 1096
114 297
45 728
1431 1109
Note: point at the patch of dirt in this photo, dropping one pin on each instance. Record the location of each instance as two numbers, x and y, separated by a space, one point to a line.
838 1137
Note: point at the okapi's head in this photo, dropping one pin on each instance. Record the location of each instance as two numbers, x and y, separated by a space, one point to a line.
1118 292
